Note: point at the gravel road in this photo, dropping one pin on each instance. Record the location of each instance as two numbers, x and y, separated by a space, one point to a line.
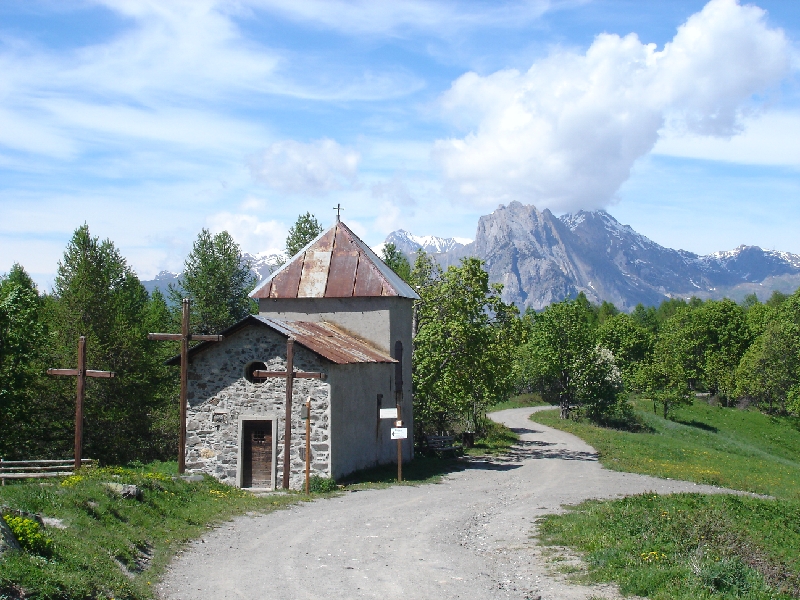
466 537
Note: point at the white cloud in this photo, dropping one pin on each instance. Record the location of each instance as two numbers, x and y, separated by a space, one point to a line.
392 18
318 167
395 191
566 133
389 218
769 139
252 235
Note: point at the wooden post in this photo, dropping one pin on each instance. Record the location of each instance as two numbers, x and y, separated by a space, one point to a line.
290 375
398 395
287 436
79 402
81 373
399 447
308 445
184 396
184 337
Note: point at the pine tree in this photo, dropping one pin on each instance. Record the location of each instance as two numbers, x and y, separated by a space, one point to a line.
397 261
305 229
22 337
99 296
217 280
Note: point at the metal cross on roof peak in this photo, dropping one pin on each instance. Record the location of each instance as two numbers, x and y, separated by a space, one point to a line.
338 208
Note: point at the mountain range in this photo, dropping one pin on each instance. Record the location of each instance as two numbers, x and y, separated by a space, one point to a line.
262 265
541 258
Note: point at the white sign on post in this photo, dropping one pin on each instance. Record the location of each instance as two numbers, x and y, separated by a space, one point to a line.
388 413
399 433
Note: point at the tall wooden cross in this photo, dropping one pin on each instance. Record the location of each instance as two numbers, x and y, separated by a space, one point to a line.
289 375
81 373
184 337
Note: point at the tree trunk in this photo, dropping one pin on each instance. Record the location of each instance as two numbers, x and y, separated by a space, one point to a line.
565 409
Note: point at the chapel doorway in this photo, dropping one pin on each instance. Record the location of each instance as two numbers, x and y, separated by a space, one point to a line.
257 454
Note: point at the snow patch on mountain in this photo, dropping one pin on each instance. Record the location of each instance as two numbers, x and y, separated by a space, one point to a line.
409 243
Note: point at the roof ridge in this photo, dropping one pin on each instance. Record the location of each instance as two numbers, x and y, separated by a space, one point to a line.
333 271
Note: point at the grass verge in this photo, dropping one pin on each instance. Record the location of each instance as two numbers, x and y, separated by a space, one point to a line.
497 439
685 546
114 547
692 545
520 401
738 449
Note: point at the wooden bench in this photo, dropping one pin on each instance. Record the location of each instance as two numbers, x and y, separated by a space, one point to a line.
441 444
36 469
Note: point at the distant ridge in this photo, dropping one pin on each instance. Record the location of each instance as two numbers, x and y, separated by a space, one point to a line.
540 259
262 265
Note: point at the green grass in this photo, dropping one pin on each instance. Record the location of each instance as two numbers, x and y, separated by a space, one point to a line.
739 449
685 546
114 547
691 545
497 439
520 401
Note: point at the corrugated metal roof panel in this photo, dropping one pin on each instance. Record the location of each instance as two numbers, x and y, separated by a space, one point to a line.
342 278
323 339
286 282
315 274
325 267
329 342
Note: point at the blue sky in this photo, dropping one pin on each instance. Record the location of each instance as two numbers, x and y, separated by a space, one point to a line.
149 120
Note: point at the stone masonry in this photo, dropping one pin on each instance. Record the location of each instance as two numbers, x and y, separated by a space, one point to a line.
219 394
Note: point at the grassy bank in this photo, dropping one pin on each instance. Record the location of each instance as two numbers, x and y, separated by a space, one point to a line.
109 546
691 545
739 449
686 546
115 547
520 401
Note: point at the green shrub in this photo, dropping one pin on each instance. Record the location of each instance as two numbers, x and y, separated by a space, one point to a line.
726 575
321 485
29 535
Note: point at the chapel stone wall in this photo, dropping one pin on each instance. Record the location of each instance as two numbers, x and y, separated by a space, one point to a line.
219 395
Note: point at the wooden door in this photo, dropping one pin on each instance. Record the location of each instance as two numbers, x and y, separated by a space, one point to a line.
257 454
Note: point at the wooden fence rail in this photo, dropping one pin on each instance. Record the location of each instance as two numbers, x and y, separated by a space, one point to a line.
36 469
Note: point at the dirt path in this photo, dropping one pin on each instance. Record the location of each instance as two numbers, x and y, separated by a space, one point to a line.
467 537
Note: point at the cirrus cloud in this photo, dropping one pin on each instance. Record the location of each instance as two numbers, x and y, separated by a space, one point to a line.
566 133
314 168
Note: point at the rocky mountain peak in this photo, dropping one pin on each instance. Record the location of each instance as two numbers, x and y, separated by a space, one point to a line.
540 258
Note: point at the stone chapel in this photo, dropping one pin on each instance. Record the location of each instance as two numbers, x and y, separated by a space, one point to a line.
350 317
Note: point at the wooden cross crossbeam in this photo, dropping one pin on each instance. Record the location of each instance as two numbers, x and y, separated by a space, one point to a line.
184 337
81 373
289 375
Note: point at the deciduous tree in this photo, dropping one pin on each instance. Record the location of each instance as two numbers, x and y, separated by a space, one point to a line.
464 345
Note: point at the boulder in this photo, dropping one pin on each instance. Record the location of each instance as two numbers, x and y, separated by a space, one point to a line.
125 490
8 542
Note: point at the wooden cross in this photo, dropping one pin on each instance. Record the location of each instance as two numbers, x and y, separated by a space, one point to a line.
338 208
81 373
184 337
289 375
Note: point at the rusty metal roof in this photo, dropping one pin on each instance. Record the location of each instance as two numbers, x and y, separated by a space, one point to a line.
323 339
336 264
